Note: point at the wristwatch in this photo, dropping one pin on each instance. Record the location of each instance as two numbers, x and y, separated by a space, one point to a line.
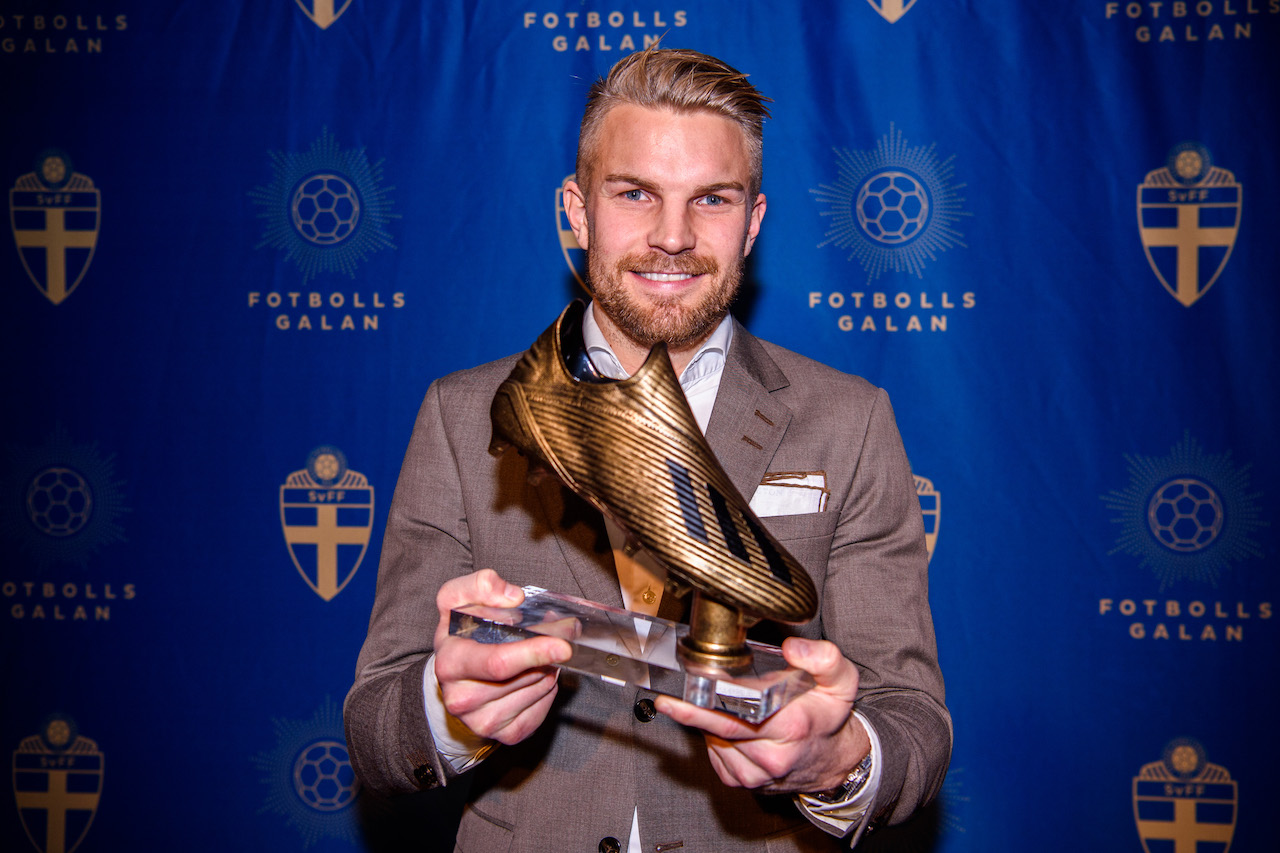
852 784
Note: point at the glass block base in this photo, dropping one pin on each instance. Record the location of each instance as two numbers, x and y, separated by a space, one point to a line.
627 648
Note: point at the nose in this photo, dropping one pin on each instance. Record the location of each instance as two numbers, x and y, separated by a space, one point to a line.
672 230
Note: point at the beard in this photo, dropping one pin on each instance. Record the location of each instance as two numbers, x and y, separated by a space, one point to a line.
672 320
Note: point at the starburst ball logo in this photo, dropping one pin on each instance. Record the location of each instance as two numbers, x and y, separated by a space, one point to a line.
309 779
323 777
894 208
59 501
326 208
69 500
1185 514
1188 515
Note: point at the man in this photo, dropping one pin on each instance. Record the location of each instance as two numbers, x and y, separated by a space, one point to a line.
667 205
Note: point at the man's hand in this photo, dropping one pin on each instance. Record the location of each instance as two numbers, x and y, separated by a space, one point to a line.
500 691
809 745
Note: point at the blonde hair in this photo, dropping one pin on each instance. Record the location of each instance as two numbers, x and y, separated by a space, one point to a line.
680 80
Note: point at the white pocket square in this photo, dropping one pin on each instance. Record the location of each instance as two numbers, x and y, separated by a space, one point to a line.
791 493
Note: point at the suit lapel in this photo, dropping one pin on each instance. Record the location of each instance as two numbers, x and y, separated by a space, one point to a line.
747 424
579 530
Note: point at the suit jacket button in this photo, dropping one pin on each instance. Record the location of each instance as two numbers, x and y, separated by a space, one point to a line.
609 844
645 710
424 774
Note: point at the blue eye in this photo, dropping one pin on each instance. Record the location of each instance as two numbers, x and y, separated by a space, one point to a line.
714 200
633 195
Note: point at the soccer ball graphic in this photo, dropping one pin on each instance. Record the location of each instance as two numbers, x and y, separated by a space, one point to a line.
323 777
1185 515
59 502
892 208
327 466
325 209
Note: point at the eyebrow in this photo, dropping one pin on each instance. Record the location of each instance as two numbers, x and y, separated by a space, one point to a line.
722 187
629 179
709 189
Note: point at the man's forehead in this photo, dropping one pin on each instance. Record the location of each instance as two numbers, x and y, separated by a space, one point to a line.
627 112
655 136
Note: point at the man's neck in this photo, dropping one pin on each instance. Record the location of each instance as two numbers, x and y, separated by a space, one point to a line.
631 354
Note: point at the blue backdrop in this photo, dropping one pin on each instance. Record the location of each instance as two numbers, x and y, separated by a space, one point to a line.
246 236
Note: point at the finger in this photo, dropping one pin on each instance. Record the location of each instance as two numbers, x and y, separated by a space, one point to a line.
466 697
735 767
723 770
524 723
831 670
713 722
466 660
568 627
484 587
819 658
504 716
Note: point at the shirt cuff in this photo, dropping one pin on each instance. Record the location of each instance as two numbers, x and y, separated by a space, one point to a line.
851 816
456 743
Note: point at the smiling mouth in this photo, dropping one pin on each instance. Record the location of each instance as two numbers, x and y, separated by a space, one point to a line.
663 277
658 268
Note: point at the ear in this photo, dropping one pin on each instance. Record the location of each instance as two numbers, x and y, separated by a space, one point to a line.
753 224
575 208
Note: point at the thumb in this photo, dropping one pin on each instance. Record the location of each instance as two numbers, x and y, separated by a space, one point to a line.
824 661
495 591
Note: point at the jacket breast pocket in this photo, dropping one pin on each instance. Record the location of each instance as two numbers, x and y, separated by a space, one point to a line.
807 536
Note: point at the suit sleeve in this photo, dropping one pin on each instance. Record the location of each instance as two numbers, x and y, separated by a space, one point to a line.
426 543
876 608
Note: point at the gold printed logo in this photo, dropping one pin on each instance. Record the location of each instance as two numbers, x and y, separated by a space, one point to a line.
602 32
66 501
54 212
892 10
325 208
1187 516
574 255
1188 218
322 12
57 782
309 779
326 512
894 207
1184 800
931 509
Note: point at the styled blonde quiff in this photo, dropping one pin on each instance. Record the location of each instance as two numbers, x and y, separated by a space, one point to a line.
679 80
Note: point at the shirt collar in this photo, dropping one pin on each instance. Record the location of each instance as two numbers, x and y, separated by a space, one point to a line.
708 361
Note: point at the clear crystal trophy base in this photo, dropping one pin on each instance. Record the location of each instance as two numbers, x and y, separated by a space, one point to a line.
627 648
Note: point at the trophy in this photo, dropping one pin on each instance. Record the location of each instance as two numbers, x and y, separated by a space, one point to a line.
633 449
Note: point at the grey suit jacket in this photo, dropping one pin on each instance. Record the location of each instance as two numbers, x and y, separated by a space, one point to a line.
577 779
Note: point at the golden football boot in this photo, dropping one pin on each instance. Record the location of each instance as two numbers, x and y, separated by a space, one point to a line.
632 448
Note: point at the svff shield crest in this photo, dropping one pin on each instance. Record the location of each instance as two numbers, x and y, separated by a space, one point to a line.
323 12
326 513
57 792
1186 814
55 218
1184 804
931 511
1188 219
892 10
574 256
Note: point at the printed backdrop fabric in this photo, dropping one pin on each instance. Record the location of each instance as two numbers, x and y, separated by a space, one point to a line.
244 237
